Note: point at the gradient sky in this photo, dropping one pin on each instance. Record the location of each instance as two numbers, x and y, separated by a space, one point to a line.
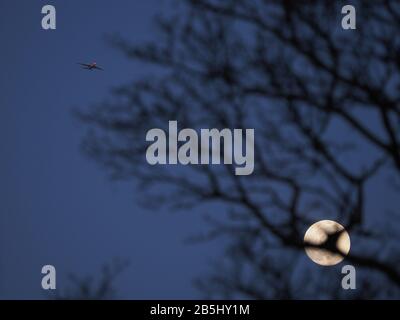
57 206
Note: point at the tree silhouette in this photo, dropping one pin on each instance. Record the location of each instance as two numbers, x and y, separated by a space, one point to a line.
324 103
93 288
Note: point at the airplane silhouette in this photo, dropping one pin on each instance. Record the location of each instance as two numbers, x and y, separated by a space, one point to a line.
90 66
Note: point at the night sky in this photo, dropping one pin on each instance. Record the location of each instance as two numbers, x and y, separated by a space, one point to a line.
57 206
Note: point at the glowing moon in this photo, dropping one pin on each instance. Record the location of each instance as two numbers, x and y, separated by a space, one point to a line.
318 234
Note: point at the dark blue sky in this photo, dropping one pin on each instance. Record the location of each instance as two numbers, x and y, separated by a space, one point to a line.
57 207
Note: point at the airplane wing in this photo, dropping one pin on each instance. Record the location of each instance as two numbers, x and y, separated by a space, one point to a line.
84 64
99 68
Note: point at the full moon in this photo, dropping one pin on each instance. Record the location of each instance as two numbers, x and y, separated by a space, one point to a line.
318 234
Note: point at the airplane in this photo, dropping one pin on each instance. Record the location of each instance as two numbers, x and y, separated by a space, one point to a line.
90 66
